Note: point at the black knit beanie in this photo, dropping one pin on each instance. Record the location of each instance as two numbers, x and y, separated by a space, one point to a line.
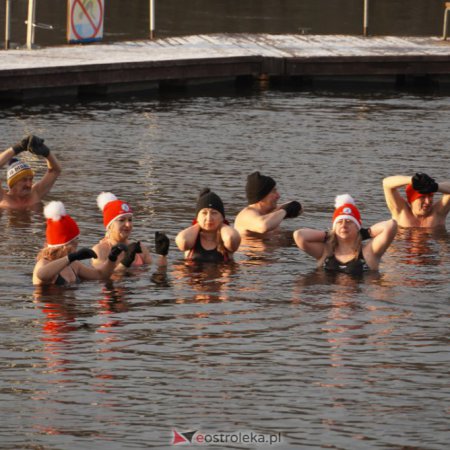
258 186
208 199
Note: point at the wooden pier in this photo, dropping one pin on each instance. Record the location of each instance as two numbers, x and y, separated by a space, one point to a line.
180 61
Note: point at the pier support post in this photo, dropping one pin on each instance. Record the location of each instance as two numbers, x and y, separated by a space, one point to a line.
7 24
152 19
366 18
447 10
30 23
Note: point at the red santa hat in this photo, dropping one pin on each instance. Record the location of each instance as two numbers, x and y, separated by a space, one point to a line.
346 209
61 228
112 207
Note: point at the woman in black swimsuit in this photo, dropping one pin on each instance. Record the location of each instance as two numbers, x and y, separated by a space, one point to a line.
341 249
59 261
210 238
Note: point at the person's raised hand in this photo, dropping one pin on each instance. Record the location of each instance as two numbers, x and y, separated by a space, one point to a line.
83 253
292 209
37 147
424 184
365 233
116 250
162 243
21 146
130 253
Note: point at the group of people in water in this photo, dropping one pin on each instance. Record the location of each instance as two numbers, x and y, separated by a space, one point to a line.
347 247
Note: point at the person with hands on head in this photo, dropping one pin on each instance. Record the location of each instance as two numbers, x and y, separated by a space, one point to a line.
210 238
418 210
263 214
118 222
342 249
22 192
58 262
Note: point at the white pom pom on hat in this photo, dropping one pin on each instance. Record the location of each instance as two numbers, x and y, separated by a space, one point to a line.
104 198
343 199
55 210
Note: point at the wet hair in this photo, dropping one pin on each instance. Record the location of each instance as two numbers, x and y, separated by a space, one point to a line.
53 253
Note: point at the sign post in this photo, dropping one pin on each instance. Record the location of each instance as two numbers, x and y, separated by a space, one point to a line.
7 24
30 23
366 18
152 19
85 20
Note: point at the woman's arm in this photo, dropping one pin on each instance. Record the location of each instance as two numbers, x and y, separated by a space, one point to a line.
311 241
186 238
45 271
101 272
230 237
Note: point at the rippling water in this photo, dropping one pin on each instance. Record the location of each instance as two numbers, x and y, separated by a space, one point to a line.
268 344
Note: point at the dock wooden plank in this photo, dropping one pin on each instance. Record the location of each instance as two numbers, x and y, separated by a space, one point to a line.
221 55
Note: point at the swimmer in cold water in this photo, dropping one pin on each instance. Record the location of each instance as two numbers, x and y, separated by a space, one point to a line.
118 222
342 249
263 214
210 238
58 263
23 193
418 209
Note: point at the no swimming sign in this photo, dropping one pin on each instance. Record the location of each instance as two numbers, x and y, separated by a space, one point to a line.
85 20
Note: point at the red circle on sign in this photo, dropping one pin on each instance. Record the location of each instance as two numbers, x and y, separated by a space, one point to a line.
95 27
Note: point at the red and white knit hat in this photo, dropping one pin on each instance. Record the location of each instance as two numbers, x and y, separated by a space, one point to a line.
346 209
112 207
61 228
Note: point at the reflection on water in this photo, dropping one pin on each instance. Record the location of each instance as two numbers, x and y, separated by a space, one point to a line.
267 343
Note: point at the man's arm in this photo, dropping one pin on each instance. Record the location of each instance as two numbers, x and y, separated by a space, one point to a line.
5 157
42 187
443 205
395 202
261 223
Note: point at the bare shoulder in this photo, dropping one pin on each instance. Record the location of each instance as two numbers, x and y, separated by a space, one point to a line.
244 217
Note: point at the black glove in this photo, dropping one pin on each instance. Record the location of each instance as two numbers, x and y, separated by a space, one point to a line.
292 209
83 253
130 254
37 147
162 243
21 146
116 250
423 183
365 233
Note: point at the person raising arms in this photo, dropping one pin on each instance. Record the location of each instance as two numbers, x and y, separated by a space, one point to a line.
342 249
418 210
22 192
58 262
263 214
210 238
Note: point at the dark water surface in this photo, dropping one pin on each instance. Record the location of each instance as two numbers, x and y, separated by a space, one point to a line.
130 20
268 344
